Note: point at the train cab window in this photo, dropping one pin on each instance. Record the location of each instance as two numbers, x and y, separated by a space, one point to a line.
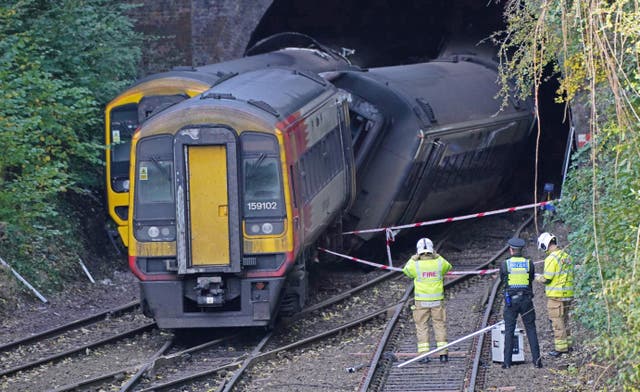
123 123
262 178
154 196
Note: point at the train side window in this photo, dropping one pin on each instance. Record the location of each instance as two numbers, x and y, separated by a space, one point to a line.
320 164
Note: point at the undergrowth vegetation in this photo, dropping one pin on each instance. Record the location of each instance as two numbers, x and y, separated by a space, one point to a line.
594 46
60 62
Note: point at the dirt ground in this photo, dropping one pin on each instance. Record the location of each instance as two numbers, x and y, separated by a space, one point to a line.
21 315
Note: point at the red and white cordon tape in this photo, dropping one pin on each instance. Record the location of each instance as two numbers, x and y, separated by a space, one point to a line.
453 219
390 268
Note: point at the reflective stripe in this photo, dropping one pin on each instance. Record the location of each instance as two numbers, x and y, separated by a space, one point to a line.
563 288
428 297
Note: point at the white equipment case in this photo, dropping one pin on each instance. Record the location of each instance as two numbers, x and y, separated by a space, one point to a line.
497 344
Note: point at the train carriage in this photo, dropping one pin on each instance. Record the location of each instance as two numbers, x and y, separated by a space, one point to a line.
430 140
125 113
228 190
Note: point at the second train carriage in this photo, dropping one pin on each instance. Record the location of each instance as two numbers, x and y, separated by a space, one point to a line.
430 140
229 189
125 113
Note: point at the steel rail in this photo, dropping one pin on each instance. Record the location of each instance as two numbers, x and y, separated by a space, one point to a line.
257 355
155 361
391 323
142 369
65 327
342 296
77 349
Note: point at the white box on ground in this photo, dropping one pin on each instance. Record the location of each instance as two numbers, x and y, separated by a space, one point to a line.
497 344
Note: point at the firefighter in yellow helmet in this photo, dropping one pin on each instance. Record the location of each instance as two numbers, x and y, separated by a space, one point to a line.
427 268
558 280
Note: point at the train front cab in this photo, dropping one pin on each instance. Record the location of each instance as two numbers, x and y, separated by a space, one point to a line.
188 236
123 115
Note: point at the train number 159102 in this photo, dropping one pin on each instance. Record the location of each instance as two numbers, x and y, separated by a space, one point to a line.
262 205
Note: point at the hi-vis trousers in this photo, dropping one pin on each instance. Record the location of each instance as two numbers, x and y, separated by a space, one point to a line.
424 314
558 309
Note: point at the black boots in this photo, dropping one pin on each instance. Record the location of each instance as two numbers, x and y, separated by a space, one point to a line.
506 365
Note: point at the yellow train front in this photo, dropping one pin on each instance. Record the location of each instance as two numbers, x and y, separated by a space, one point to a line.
230 191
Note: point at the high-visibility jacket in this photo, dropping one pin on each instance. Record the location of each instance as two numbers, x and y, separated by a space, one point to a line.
558 271
428 273
517 272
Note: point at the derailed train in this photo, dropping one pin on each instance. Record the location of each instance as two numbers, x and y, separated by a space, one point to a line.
232 190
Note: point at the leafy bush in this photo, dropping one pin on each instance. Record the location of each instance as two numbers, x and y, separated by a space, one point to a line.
593 45
59 64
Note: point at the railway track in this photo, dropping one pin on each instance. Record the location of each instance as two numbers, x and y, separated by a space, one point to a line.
344 341
466 297
99 342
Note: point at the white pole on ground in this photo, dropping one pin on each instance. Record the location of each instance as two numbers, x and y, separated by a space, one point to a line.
483 330
86 271
20 278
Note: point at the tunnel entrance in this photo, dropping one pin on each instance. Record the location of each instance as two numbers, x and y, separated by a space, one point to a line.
382 32
392 32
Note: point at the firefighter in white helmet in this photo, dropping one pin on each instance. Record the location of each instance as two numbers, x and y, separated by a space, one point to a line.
558 279
427 268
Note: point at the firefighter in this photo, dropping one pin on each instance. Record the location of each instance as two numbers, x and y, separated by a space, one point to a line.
427 268
518 274
558 280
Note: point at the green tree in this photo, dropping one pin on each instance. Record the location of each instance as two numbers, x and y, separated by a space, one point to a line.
59 64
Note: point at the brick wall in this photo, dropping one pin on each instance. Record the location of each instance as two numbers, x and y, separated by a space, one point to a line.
195 32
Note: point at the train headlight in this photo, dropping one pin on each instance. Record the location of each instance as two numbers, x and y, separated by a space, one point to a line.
153 232
264 228
120 184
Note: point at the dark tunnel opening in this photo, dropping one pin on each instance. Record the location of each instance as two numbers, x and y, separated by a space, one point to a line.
392 32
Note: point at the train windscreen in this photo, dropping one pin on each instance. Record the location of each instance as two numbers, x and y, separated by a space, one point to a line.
262 181
124 121
154 195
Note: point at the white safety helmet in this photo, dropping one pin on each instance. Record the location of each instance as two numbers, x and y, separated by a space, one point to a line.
424 245
544 240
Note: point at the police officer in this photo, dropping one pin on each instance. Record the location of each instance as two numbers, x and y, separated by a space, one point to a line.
427 269
518 274
558 280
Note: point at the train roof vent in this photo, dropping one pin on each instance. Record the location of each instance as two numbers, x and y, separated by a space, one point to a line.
183 68
212 95
264 106
315 77
427 110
